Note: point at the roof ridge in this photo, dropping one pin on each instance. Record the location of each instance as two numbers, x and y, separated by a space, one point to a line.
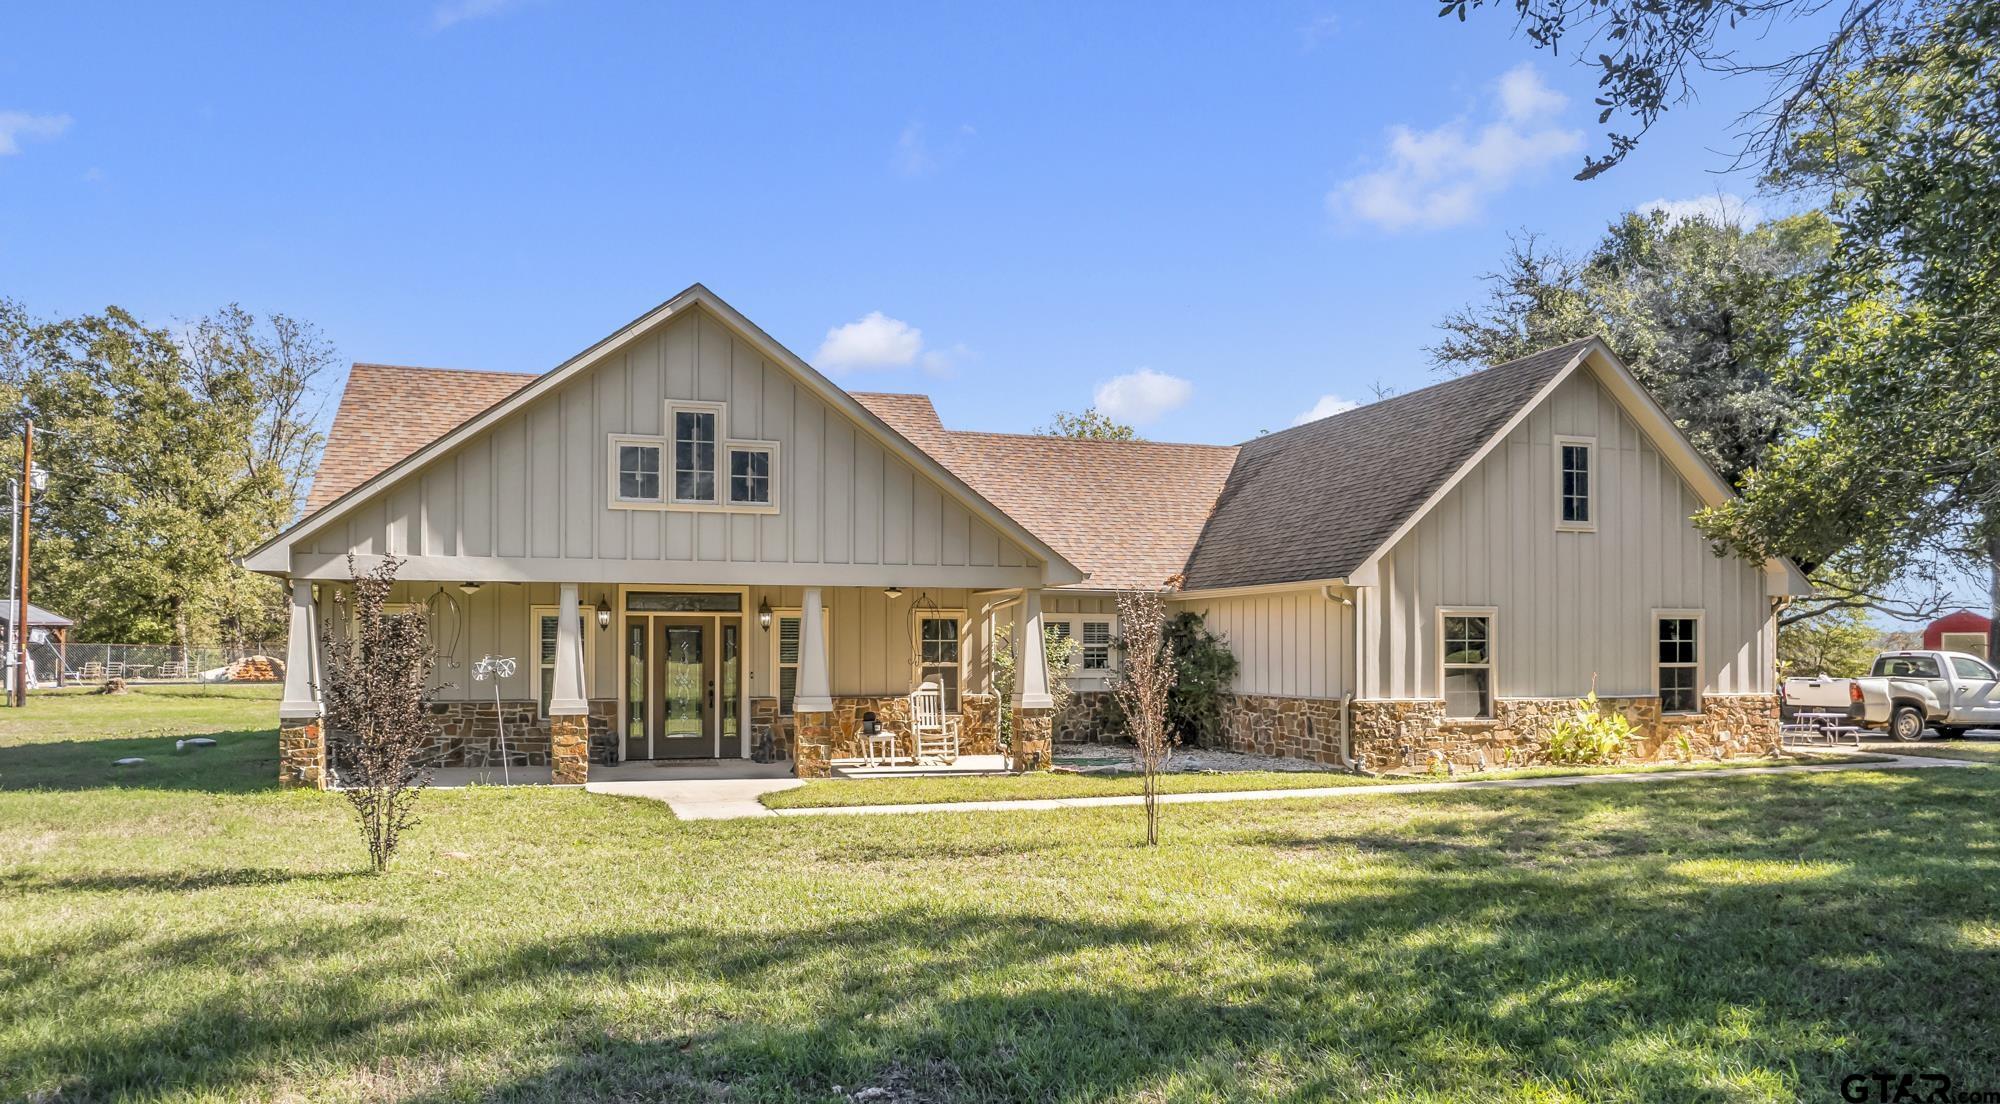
1080 440
1378 404
430 368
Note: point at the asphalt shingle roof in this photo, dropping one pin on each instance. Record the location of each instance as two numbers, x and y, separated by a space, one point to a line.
1314 501
389 411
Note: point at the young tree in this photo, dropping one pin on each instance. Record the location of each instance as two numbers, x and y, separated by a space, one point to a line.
1091 425
1145 683
377 699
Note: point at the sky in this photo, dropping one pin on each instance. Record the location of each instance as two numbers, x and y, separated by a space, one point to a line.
1208 226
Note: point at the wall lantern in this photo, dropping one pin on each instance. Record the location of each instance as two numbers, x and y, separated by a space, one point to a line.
764 614
603 613
893 593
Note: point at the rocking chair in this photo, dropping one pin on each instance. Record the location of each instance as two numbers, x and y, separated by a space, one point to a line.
935 731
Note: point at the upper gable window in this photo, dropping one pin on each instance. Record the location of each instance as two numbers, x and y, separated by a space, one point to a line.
1576 504
694 465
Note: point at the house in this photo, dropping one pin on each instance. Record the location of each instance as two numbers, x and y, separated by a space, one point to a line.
689 537
1961 631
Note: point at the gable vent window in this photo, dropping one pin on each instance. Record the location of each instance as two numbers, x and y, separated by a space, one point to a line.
750 476
694 455
693 464
639 472
1574 483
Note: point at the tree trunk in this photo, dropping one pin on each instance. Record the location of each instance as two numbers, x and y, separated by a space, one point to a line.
1993 585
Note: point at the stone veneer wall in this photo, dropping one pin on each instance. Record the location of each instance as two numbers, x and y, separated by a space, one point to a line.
1292 728
1089 717
1395 735
978 723
469 733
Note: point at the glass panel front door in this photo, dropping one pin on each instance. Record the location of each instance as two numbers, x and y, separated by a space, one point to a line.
685 682
729 698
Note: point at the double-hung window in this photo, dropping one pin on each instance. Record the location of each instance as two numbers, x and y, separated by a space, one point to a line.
1576 507
750 469
1466 644
937 656
1678 637
1096 651
696 430
638 471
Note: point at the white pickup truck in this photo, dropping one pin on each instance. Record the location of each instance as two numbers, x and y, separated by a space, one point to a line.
1905 693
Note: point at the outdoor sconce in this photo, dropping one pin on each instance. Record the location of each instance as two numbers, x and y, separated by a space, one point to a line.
469 588
603 614
893 593
764 614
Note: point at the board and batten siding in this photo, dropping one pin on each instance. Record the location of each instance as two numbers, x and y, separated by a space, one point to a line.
1569 606
871 641
1288 644
534 487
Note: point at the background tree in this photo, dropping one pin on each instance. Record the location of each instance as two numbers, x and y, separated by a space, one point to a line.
1841 643
1091 425
169 455
1145 682
377 699
1699 310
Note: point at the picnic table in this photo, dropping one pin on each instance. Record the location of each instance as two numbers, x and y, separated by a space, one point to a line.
1809 725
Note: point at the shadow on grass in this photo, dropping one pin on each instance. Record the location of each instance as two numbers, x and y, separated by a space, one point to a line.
169 881
1737 940
242 761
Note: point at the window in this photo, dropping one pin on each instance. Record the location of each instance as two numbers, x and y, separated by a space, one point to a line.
1907 666
1096 647
1967 668
1573 483
639 472
694 436
750 475
785 639
547 620
1467 648
1680 663
1971 643
937 656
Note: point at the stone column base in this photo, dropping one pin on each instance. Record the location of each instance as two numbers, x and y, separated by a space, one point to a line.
301 753
812 745
1033 745
569 750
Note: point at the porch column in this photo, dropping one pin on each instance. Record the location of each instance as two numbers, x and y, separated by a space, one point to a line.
812 701
1033 746
301 737
569 710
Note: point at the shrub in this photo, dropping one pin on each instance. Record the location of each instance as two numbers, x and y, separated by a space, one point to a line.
1589 735
1061 654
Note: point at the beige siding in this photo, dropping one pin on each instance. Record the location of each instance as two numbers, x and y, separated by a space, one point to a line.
871 649
498 619
1293 644
535 487
1570 606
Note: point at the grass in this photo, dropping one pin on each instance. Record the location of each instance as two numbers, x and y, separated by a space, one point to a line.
1976 751
842 792
1729 937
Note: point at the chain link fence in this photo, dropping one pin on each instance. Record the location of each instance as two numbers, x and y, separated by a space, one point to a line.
91 664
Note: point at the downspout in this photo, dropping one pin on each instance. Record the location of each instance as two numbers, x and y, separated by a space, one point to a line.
1347 730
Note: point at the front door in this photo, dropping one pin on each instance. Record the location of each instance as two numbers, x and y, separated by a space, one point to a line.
684 687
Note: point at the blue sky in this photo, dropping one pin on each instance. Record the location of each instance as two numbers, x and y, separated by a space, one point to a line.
1218 222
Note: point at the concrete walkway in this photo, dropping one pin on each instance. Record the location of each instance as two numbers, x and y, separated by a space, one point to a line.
736 798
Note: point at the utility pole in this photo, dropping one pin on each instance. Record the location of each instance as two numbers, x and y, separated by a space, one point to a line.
20 631
13 578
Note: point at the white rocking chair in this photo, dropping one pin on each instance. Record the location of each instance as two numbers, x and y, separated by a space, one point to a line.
934 731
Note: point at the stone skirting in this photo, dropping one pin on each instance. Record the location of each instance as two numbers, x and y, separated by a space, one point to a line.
978 724
301 753
569 750
469 733
812 736
1032 746
1292 728
1416 735
1089 717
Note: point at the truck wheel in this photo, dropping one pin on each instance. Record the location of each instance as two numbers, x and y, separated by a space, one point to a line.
1907 723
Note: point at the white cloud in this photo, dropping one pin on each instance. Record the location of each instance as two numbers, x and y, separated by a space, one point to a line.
1326 407
917 155
16 125
1431 179
1318 29
1142 396
453 12
1722 208
876 340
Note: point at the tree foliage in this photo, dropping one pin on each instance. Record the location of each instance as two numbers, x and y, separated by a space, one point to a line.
1697 309
168 456
377 698
1840 643
1090 425
1061 654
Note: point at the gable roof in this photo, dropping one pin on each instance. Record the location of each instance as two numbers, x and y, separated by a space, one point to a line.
274 555
1127 512
37 616
1314 502
389 411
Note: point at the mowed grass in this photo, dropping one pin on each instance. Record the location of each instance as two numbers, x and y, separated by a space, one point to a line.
1974 750
843 792
1736 938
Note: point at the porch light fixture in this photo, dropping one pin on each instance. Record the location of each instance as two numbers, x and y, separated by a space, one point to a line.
603 613
893 592
764 614
469 588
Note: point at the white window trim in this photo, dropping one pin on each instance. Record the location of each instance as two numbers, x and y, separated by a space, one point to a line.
1492 665
620 440
769 448
587 615
1591 498
1075 622
1959 641
664 441
917 664
1700 658
778 614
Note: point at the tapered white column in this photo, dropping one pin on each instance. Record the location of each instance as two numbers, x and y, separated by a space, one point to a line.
1031 662
566 697
301 656
815 692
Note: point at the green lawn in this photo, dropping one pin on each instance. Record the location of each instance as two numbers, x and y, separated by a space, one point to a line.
1977 751
839 792
196 935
